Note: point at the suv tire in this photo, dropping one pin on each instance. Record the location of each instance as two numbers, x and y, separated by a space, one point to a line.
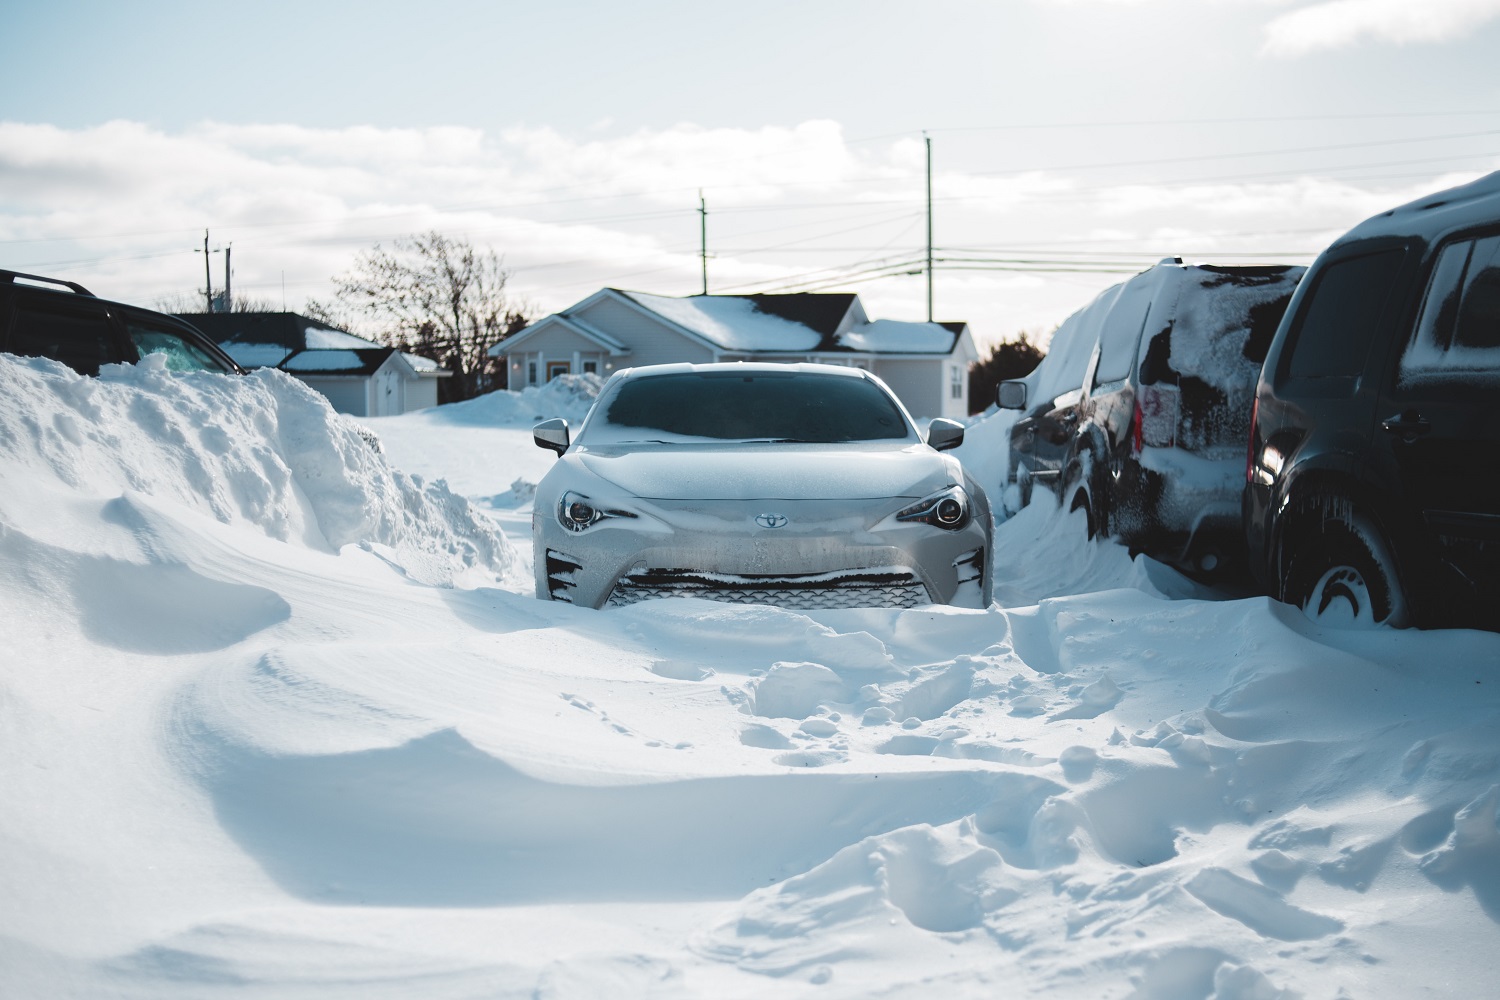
1079 497
1341 569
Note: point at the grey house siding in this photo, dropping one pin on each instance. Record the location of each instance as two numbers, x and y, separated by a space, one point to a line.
347 393
420 394
914 383
650 342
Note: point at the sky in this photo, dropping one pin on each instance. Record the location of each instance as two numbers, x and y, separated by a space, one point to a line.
1073 142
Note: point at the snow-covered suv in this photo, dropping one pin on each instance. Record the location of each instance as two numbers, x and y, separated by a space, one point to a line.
1149 439
62 320
1373 478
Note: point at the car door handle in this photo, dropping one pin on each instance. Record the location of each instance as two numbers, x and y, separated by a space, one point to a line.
1410 425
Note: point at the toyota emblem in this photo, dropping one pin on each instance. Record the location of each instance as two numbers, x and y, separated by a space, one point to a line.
771 520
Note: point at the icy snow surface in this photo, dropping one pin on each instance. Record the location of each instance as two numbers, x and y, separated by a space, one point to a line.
323 360
323 339
277 720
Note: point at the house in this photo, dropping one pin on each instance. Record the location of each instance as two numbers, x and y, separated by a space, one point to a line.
925 364
359 377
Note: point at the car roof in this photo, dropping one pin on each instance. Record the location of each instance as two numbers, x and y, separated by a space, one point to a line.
740 368
1436 215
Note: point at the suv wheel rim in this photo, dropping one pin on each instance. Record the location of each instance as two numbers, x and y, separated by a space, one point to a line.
1340 597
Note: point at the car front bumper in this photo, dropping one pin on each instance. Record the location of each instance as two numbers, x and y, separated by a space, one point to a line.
827 554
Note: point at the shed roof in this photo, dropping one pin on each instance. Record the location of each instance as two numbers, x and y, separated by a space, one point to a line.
336 361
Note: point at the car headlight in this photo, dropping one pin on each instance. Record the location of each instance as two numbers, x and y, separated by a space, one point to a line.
577 512
948 509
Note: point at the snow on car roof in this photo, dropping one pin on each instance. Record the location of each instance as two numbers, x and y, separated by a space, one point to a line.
1435 214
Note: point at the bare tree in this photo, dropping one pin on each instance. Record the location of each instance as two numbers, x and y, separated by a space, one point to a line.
439 297
1007 360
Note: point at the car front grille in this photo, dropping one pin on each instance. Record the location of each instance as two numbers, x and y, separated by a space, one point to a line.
895 589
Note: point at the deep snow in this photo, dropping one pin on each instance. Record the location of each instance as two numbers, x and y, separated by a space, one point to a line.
277 720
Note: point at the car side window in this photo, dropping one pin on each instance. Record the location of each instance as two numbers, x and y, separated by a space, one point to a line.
182 354
1121 333
78 336
1458 329
1343 312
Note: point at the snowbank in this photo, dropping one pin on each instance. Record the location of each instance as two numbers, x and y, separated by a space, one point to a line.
262 451
566 396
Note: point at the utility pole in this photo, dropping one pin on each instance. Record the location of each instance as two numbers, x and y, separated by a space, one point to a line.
208 278
228 302
928 140
703 237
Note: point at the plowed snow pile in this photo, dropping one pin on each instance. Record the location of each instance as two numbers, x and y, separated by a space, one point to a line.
249 749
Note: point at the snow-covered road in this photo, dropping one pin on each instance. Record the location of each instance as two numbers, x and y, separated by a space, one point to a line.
277 720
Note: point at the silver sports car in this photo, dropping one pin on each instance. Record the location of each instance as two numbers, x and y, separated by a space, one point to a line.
804 486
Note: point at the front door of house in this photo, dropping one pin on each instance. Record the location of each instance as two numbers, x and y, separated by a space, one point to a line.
556 368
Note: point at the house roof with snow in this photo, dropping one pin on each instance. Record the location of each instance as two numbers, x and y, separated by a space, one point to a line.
810 323
337 361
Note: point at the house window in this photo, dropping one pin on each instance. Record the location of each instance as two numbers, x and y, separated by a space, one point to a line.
955 382
590 367
531 373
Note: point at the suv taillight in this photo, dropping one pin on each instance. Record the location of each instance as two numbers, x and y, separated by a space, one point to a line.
1250 447
1136 430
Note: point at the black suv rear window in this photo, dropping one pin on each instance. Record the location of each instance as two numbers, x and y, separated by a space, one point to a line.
1342 313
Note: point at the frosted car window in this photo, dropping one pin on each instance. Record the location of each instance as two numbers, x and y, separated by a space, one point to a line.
1121 333
1459 327
182 354
1478 326
1342 313
759 406
1439 307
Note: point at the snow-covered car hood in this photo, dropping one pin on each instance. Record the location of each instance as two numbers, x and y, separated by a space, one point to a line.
771 471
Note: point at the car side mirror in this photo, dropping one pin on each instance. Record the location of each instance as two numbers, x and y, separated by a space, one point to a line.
552 435
1011 396
944 434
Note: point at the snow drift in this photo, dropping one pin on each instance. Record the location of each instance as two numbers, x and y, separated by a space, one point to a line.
262 451
237 761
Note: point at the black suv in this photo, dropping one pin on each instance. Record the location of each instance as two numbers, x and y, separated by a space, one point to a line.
49 318
1149 441
1373 479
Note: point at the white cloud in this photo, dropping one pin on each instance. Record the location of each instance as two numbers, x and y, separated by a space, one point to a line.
1338 23
122 206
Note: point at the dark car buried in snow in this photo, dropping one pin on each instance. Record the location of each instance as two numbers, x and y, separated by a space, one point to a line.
62 320
1373 479
1149 438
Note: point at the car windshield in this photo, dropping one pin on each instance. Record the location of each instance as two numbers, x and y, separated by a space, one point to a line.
750 406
